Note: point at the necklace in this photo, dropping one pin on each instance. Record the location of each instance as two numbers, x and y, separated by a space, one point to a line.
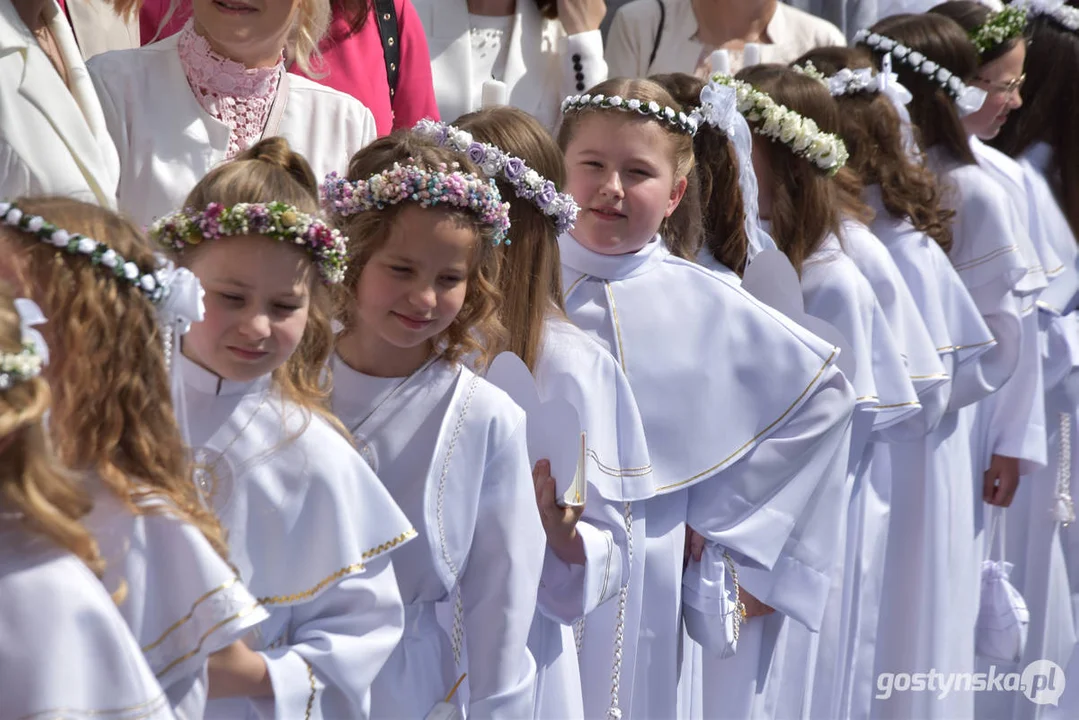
396 389
209 470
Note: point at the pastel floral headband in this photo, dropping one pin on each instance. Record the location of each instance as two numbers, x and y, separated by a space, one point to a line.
496 163
444 185
277 220
34 355
968 99
1009 23
801 134
1056 10
675 119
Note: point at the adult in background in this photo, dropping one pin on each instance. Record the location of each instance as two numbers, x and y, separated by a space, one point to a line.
375 51
53 138
181 106
665 36
543 50
102 25
850 16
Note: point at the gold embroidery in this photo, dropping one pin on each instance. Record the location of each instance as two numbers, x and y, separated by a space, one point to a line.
897 405
1047 306
618 472
574 285
311 697
986 258
935 376
198 647
144 709
866 398
954 348
347 570
190 613
754 439
617 326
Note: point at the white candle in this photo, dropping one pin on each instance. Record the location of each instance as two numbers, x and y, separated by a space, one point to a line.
751 55
720 62
494 93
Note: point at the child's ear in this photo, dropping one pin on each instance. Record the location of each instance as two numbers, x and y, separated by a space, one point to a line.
677 193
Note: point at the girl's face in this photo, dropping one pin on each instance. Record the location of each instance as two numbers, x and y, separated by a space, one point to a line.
621 171
1002 79
258 294
411 289
252 32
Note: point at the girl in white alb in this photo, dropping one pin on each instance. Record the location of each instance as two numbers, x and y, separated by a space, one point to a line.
163 550
679 332
418 298
65 651
310 527
589 562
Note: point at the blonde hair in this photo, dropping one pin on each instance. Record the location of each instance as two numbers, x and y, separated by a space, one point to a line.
312 22
531 274
33 483
266 172
112 413
476 331
682 231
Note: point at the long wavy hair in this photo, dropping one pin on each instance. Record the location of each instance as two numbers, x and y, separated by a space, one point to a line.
682 231
476 331
530 278
722 209
873 132
112 411
1050 106
33 483
266 172
805 201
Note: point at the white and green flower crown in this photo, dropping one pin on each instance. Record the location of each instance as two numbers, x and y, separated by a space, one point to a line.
1056 10
770 119
1008 24
675 119
34 355
277 220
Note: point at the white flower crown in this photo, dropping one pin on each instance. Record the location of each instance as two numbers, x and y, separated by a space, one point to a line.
968 99
855 81
676 119
825 150
496 163
1056 10
34 355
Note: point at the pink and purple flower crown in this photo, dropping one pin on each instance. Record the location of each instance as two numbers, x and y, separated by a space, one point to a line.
496 163
328 247
410 183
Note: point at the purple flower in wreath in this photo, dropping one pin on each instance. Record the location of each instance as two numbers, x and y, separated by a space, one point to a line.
477 153
546 195
514 168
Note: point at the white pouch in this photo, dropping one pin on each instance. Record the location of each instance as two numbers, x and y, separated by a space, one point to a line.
711 609
1001 630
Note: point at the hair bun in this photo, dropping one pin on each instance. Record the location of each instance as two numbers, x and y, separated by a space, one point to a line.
277 152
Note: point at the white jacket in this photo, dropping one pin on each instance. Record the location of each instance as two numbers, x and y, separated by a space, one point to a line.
543 66
53 138
167 142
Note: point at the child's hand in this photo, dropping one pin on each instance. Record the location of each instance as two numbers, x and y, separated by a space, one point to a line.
753 606
1001 481
238 671
560 523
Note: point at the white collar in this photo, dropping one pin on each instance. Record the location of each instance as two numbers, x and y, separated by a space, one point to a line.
202 380
611 267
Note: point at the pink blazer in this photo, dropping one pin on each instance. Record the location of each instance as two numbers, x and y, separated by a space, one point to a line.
354 63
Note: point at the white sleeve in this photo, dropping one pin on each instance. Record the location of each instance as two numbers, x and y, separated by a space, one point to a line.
976 379
499 585
338 643
583 65
569 592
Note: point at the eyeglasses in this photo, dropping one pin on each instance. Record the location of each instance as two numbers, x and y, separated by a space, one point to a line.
1005 88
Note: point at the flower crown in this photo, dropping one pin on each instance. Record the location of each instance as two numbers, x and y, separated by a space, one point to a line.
34 355
675 119
278 220
152 284
496 163
855 81
801 134
1009 23
1056 10
968 99
410 183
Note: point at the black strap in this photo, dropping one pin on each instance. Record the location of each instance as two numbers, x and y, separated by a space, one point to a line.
659 33
386 16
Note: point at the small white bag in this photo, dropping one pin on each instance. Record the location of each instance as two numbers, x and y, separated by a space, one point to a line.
711 608
1001 630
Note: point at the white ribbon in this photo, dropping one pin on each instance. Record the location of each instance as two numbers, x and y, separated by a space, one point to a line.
970 100
30 315
182 305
